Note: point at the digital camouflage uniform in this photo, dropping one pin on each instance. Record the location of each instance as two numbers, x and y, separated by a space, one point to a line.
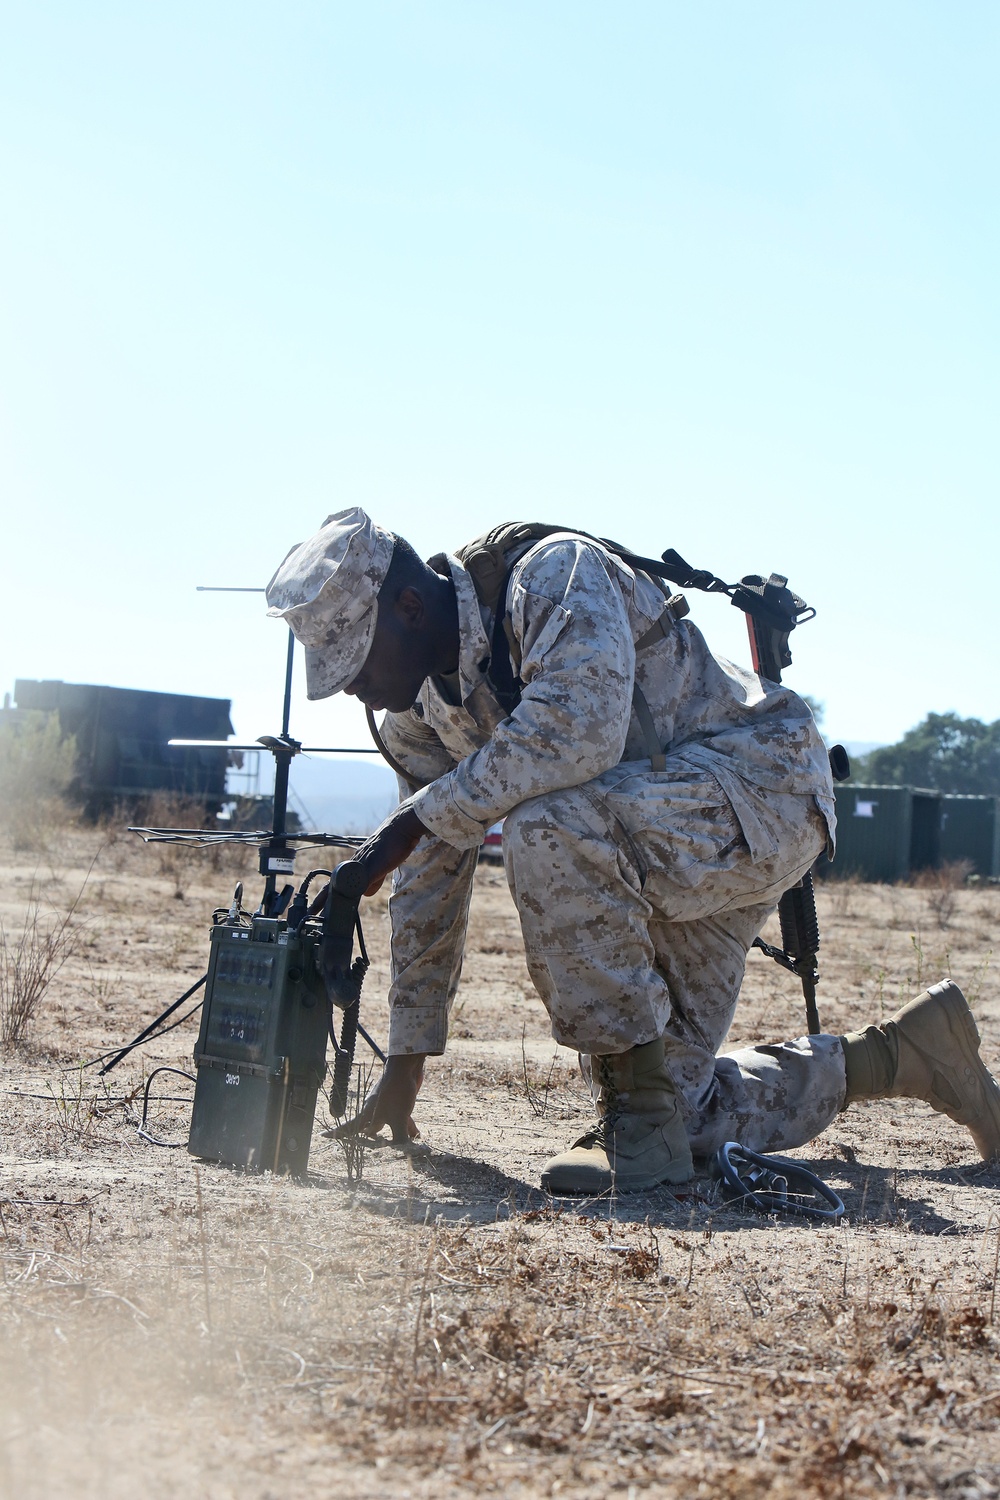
639 890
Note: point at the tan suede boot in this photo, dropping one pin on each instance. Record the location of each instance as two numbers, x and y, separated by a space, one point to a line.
639 1141
929 1050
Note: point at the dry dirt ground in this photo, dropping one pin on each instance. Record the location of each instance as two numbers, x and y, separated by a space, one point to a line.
440 1328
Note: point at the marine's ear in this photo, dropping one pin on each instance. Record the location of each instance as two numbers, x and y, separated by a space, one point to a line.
410 606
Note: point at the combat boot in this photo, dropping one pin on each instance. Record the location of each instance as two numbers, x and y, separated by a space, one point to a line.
929 1050
639 1141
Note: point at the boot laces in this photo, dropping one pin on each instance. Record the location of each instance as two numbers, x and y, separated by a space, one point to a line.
601 1134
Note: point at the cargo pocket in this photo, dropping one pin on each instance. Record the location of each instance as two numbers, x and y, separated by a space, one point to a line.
683 824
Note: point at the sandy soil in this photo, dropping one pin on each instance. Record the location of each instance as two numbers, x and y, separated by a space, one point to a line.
439 1327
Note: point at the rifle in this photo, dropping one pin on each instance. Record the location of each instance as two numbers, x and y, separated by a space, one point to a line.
772 612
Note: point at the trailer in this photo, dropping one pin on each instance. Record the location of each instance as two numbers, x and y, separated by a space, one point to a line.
122 735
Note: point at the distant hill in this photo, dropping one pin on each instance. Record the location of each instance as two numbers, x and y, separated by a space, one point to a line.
335 775
336 795
340 795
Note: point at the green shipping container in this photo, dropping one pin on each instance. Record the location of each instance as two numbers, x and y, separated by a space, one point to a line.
873 831
886 832
925 831
970 830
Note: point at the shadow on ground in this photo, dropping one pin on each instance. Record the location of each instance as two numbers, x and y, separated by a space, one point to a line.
449 1187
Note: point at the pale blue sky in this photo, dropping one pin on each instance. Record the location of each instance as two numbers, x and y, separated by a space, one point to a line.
719 276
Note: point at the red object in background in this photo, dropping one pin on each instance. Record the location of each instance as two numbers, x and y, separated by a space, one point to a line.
493 843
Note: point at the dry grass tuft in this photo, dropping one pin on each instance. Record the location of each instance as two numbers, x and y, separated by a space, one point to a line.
30 962
942 886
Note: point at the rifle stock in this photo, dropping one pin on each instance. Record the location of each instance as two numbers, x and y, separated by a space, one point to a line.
772 612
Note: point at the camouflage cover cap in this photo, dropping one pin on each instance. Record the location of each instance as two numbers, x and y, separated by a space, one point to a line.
327 590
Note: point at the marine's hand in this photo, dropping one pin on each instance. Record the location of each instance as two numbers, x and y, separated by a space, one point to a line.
392 1101
389 846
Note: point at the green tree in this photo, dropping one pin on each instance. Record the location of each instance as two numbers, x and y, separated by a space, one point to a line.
943 752
36 769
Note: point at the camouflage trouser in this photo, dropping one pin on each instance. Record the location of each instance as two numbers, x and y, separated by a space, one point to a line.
639 898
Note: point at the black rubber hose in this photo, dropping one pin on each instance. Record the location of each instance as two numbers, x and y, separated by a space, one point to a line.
344 1060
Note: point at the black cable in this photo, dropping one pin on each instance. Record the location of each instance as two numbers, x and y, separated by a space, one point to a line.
172 1027
148 1037
387 754
775 1184
344 1059
154 1024
372 1044
142 1132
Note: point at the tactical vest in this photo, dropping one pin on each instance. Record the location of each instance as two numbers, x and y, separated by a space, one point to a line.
490 560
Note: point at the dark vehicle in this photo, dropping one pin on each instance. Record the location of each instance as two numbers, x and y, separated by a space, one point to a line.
121 741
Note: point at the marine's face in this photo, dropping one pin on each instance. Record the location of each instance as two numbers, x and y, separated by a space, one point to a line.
394 669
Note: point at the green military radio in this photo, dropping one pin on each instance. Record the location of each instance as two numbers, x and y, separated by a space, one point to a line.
261 1051
273 986
278 978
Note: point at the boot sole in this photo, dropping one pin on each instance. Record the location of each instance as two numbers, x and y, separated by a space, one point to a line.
963 1027
605 1184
